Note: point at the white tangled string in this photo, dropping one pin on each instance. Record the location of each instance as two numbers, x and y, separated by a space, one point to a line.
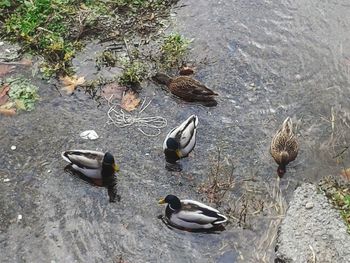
120 118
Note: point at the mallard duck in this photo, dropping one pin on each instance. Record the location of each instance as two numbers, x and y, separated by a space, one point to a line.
187 89
98 168
284 146
191 215
181 140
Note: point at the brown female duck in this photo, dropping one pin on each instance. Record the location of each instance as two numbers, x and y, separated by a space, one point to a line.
187 89
284 146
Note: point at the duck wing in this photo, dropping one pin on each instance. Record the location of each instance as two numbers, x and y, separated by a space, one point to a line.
190 89
84 158
292 148
187 135
284 140
193 211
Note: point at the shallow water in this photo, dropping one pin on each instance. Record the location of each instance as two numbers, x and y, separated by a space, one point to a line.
266 59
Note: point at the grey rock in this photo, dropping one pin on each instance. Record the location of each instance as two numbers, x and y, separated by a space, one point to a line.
312 235
9 51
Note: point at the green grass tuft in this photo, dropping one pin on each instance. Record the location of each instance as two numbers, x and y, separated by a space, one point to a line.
133 73
173 49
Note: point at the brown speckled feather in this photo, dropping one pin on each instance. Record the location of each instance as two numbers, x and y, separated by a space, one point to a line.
187 88
284 146
190 89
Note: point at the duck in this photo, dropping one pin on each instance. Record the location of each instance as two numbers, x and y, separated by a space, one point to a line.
181 140
187 88
94 167
284 146
191 215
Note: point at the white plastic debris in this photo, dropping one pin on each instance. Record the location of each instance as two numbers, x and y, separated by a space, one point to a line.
6 180
89 135
13 147
19 218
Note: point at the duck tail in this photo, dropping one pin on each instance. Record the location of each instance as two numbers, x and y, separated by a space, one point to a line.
65 156
287 125
195 120
221 219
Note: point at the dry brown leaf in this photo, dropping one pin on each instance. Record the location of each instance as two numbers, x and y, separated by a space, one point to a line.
345 174
3 94
113 91
71 83
130 101
8 112
5 69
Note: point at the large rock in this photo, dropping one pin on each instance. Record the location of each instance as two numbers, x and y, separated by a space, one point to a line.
312 230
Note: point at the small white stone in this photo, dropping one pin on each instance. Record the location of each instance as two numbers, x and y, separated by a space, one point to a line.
48 171
89 135
309 205
6 180
13 147
297 77
19 217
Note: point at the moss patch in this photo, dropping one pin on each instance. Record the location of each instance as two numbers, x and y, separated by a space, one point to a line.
339 194
56 29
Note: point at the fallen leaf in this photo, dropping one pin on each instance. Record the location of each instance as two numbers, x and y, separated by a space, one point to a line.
113 91
185 71
345 174
8 112
130 101
5 69
71 83
3 94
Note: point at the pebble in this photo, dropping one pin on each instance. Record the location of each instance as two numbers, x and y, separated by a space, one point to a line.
89 135
309 205
19 217
13 147
6 180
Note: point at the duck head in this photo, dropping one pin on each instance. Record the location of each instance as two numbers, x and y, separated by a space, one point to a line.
281 170
109 163
162 78
173 201
284 157
172 152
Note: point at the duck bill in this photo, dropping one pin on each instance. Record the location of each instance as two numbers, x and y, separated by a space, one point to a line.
178 153
161 201
116 167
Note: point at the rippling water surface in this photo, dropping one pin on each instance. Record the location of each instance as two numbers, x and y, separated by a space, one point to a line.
267 60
